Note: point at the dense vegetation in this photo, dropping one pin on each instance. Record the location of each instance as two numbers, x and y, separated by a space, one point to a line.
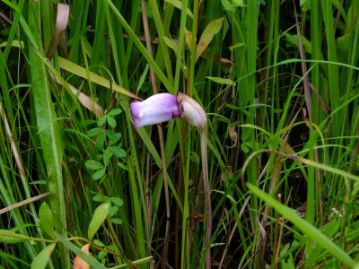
279 83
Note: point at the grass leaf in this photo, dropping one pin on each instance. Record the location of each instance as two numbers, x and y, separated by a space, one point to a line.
89 259
10 237
312 232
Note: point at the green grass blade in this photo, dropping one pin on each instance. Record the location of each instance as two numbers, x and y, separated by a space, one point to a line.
48 128
141 47
308 229
89 259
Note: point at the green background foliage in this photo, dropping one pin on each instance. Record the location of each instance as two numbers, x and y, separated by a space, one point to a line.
279 83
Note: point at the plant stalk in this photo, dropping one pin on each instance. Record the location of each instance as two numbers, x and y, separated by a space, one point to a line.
207 196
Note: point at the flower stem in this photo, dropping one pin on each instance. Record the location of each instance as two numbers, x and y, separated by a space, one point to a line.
207 196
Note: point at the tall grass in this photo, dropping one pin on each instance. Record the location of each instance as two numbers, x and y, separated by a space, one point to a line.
279 84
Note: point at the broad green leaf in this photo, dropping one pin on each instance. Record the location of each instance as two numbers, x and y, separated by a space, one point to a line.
224 81
116 221
99 198
100 140
93 165
308 229
95 131
98 219
113 137
113 210
118 151
117 201
99 174
42 259
111 121
98 243
10 237
101 121
46 219
115 112
107 155
209 32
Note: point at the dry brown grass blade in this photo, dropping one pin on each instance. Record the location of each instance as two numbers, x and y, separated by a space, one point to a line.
24 202
14 149
62 18
85 100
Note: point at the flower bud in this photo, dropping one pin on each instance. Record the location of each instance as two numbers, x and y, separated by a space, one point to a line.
80 263
158 108
192 111
62 17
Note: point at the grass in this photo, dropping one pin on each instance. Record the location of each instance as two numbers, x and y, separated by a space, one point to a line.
280 88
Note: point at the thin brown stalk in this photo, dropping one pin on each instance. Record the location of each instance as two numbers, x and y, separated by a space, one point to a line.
262 240
148 200
161 139
308 101
307 88
278 231
5 18
234 228
24 202
84 99
14 149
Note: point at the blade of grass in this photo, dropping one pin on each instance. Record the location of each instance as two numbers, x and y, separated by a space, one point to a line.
89 259
312 232
48 129
82 72
141 47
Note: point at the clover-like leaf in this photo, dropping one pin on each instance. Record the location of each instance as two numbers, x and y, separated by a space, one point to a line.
98 219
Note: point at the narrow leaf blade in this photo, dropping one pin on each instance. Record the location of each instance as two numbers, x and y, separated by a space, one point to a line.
224 81
42 259
10 237
209 32
308 229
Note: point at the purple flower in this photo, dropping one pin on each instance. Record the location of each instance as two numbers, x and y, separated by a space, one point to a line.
158 108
